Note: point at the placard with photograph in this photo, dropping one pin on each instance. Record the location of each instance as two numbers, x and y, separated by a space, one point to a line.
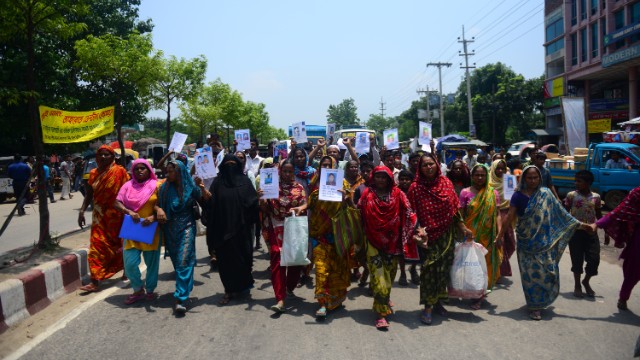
269 183
299 132
243 138
330 183
205 163
425 135
362 142
509 185
391 139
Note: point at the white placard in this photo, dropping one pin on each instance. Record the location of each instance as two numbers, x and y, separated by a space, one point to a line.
244 140
331 129
177 142
219 159
205 163
509 183
299 132
269 183
425 135
391 139
362 142
330 183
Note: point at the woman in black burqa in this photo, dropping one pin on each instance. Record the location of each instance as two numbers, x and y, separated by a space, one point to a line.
232 212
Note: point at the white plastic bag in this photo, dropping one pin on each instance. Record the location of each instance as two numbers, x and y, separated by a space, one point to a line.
295 242
469 278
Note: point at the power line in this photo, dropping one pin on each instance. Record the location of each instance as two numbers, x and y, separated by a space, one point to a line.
521 35
506 30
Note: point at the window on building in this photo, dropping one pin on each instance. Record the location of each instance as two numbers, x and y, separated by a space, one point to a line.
583 9
635 19
603 29
555 29
583 45
574 12
555 46
594 7
574 49
619 19
594 40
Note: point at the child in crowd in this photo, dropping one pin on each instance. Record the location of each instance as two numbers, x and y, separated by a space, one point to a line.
584 205
405 178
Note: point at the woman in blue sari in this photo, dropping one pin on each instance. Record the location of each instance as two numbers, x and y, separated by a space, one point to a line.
543 230
177 197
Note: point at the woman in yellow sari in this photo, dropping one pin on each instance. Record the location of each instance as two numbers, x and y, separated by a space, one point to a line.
353 180
479 204
332 271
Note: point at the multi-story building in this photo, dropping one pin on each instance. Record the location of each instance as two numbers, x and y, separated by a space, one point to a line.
592 50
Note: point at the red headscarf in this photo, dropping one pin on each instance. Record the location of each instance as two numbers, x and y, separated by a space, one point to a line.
435 202
389 225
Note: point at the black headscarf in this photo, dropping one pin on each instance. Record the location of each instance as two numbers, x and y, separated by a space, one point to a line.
233 207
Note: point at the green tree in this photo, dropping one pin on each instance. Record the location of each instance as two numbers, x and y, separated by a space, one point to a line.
343 114
379 123
179 80
122 68
24 24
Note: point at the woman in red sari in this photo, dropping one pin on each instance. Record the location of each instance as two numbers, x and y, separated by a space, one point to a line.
105 249
291 198
389 225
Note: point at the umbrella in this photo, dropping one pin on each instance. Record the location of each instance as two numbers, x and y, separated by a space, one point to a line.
449 138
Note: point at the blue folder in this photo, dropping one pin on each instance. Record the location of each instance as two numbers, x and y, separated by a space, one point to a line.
136 232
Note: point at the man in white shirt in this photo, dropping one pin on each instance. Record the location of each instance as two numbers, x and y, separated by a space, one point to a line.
616 162
253 160
66 172
471 159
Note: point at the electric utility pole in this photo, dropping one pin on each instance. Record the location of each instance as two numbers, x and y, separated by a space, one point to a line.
382 108
426 94
466 67
440 65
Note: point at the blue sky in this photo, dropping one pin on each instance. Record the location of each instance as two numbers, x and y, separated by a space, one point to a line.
299 57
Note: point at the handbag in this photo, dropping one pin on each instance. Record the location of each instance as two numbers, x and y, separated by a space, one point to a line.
196 211
295 242
347 230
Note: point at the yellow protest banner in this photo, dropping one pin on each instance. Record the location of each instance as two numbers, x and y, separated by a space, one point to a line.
598 126
62 127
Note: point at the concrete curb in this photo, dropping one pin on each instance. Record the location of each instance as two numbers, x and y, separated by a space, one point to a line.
35 289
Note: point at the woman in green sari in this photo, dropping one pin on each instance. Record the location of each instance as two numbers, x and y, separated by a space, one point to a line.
543 230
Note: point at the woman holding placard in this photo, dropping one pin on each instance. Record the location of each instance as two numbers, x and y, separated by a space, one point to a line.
292 198
479 205
389 224
177 197
434 200
233 210
137 198
332 271
496 181
105 249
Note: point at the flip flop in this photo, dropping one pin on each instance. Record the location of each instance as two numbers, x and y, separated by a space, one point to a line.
476 304
279 309
133 298
91 287
535 315
321 313
382 324
225 299
425 317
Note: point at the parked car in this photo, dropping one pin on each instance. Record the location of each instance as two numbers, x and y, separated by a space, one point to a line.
516 148
612 184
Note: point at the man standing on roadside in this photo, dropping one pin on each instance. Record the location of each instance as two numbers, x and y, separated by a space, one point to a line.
48 180
66 171
20 173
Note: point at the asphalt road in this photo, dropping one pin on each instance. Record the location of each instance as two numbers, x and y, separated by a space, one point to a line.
24 231
101 326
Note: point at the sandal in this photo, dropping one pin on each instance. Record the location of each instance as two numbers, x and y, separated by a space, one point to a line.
151 296
578 293
225 299
441 310
535 315
425 317
382 324
277 308
135 297
588 290
476 304
180 308
403 280
321 313
91 287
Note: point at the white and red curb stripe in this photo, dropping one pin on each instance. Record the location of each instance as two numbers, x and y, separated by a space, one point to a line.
35 289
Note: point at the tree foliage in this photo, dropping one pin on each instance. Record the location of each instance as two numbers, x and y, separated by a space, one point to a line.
343 114
178 80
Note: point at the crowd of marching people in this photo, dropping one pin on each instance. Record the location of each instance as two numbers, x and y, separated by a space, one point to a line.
398 213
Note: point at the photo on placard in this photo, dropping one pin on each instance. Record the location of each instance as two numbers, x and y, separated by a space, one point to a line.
331 180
